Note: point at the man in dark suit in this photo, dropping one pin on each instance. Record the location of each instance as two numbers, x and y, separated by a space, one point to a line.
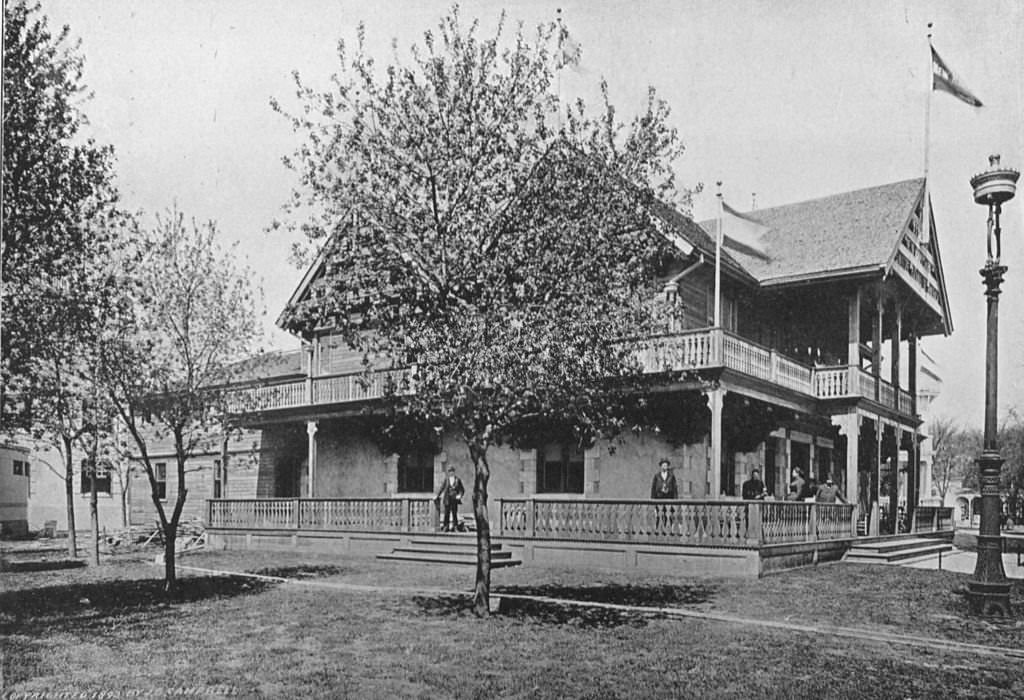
664 484
753 488
449 496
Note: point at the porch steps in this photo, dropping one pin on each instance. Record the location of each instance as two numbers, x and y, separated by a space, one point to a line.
449 549
895 551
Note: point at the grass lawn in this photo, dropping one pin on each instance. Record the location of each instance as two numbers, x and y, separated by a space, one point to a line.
109 629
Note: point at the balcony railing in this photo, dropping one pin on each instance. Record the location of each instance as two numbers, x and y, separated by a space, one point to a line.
692 350
351 514
705 523
700 523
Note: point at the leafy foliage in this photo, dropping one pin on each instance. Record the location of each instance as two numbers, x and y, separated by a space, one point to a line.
167 360
472 229
61 229
57 198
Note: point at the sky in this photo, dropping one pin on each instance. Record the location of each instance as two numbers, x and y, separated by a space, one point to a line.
782 101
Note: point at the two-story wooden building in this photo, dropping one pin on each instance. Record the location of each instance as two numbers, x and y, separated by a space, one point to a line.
812 367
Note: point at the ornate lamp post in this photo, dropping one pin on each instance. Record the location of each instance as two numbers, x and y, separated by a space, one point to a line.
989 591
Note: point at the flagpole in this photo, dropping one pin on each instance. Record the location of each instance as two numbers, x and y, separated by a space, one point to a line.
718 259
926 230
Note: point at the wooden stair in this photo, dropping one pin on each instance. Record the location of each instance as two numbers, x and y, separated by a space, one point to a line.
896 551
450 548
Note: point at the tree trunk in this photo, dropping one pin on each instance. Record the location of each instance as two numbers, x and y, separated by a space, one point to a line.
482 474
124 500
170 575
69 492
94 518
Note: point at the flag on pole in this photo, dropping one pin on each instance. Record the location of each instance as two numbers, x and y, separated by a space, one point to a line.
743 233
943 79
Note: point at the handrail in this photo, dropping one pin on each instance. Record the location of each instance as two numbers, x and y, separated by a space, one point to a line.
354 514
723 523
687 350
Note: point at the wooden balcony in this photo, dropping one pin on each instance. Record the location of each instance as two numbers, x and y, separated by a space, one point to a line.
703 349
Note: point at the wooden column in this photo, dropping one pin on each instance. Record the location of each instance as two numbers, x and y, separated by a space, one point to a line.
311 428
894 351
715 468
853 329
876 343
223 467
875 493
912 371
311 362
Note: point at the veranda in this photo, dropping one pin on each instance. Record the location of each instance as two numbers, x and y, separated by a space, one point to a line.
686 537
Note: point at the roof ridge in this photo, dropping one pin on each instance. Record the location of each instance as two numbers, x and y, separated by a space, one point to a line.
844 193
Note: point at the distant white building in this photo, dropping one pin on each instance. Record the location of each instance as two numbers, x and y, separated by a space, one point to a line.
33 492
15 479
929 386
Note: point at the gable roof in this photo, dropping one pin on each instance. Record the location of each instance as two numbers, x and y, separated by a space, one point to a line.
831 236
696 235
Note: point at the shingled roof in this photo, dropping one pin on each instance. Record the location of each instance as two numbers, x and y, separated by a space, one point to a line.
831 236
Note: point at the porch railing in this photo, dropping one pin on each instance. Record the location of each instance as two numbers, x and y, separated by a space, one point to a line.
932 519
355 514
705 523
699 349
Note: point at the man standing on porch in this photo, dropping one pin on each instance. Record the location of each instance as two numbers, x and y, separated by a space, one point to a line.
753 488
664 484
449 497
828 493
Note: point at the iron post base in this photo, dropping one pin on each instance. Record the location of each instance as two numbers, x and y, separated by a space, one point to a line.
989 598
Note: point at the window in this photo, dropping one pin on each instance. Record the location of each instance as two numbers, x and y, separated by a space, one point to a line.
218 478
102 477
20 468
416 472
559 469
160 474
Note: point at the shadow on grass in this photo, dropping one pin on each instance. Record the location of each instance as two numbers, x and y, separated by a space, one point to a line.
104 604
43 565
554 613
301 571
621 594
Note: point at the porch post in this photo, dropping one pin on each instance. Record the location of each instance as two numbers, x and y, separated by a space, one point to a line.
912 371
894 352
876 492
311 363
849 424
876 343
853 329
311 428
715 468
223 467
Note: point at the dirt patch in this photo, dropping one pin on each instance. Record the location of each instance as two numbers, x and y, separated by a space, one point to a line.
654 596
77 606
302 571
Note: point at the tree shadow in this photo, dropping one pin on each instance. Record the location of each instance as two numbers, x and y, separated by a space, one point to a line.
302 571
43 565
551 612
621 594
95 606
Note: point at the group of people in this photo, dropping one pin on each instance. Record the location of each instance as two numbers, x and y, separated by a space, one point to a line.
799 489
663 487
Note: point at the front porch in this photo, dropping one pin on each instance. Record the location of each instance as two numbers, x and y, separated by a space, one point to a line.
686 537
